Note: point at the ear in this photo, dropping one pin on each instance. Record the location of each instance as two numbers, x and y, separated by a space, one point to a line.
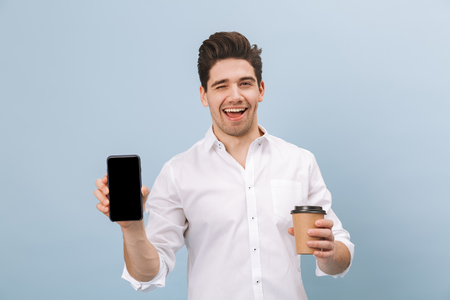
262 88
203 97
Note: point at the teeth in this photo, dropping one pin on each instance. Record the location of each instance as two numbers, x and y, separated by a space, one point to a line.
234 109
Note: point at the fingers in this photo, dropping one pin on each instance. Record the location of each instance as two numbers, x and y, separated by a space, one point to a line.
326 249
101 197
324 223
102 208
102 186
322 233
324 254
323 245
326 246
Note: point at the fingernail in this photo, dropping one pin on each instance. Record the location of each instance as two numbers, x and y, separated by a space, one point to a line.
310 231
309 243
319 223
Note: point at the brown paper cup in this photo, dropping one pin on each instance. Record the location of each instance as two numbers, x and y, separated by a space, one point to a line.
302 222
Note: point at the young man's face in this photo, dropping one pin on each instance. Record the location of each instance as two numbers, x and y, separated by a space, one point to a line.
233 95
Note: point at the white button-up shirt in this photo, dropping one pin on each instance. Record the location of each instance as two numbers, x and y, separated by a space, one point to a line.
234 221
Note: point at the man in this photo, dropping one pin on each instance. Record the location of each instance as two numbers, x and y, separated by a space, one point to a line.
229 197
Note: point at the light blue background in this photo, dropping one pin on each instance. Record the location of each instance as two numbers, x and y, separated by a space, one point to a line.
364 85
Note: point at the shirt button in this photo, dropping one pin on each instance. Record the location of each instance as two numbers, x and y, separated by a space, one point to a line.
253 218
254 249
257 281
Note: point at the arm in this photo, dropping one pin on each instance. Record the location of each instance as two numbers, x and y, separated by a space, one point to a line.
334 253
141 258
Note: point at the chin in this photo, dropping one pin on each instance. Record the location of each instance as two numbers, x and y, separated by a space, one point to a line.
238 130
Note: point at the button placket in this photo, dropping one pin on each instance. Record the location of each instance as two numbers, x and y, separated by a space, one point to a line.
255 258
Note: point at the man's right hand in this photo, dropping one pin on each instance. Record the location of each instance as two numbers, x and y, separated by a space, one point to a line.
102 194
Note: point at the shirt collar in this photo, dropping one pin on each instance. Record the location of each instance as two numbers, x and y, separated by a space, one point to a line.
211 139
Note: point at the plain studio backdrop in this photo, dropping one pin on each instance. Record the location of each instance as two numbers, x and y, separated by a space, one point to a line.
364 85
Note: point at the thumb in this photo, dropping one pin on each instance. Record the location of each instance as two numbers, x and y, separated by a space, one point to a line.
145 192
291 231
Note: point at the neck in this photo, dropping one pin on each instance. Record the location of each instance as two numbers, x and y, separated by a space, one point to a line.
237 146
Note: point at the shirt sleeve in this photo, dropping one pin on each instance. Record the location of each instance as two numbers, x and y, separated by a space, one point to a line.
320 196
158 281
165 227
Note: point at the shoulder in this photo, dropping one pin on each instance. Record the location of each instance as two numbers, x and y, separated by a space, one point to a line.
187 157
289 149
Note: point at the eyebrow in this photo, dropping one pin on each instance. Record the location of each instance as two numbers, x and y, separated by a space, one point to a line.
227 80
219 82
248 78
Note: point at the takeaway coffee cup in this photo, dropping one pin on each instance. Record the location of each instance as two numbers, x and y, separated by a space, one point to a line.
304 218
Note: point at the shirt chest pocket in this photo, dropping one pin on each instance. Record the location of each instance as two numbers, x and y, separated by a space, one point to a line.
285 195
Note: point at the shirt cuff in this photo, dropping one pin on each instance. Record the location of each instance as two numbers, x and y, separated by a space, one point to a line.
351 248
158 281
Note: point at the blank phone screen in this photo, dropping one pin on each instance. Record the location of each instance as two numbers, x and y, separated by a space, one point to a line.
124 183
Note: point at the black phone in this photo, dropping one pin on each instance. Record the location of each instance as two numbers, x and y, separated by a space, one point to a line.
124 184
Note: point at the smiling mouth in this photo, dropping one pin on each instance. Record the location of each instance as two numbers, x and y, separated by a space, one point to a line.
234 112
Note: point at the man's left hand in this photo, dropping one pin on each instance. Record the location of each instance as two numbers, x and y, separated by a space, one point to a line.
333 257
325 248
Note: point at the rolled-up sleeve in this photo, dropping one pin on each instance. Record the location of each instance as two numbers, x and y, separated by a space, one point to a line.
158 281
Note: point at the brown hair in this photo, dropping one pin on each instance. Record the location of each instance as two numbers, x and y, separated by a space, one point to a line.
223 45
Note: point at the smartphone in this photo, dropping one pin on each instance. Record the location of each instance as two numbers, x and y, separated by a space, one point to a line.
124 183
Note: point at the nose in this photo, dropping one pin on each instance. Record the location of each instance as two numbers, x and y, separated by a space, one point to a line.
235 94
